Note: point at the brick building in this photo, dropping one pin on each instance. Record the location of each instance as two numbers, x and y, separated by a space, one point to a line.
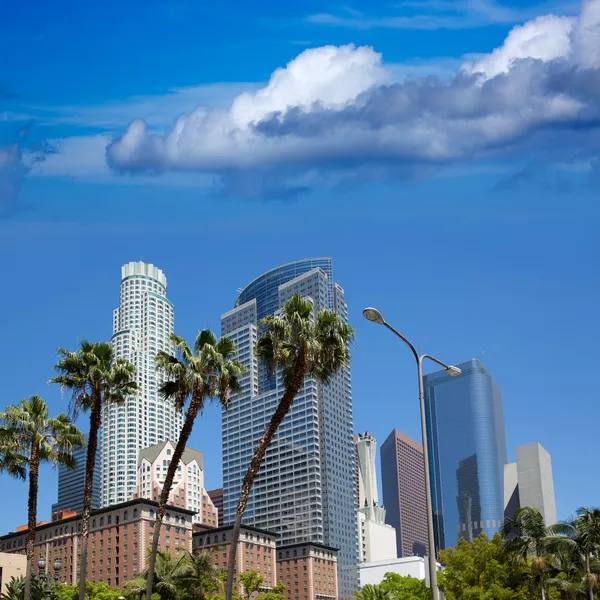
119 538
188 485
309 571
255 550
217 499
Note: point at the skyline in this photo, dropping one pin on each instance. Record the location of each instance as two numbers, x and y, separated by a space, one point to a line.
488 246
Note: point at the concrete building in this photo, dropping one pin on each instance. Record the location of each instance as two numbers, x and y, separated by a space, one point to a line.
11 565
255 551
529 482
141 328
465 428
188 486
119 538
217 499
403 486
377 540
308 570
305 489
71 483
374 572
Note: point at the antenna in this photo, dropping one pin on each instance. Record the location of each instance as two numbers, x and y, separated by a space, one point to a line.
479 355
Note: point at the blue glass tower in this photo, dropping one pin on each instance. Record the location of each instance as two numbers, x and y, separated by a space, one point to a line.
465 429
71 483
305 490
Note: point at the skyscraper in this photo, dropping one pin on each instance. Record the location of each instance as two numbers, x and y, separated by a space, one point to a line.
529 482
71 483
141 327
465 429
403 486
305 490
377 540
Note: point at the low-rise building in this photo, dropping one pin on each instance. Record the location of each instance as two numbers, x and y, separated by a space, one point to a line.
11 565
255 551
308 570
119 538
187 490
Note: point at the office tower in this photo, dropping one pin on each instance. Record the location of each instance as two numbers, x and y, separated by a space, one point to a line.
217 499
187 490
403 486
141 328
305 490
465 429
71 483
529 482
377 540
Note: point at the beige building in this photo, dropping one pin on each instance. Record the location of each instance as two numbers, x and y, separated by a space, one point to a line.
120 536
188 486
308 570
11 565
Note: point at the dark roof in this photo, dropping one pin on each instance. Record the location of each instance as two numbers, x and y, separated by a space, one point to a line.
300 544
229 527
100 511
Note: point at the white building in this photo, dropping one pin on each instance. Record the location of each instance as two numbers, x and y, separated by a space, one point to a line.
374 572
529 482
141 327
377 539
188 486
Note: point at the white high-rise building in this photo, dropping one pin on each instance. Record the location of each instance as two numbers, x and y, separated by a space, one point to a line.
141 328
377 540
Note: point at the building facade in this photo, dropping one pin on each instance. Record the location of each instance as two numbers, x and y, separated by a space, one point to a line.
308 570
118 542
255 551
217 499
305 489
529 482
141 328
403 486
11 565
71 483
377 540
465 423
187 490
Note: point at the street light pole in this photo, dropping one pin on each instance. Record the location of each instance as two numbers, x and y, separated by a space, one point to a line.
372 314
46 578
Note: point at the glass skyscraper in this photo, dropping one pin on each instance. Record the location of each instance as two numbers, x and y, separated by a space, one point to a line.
71 483
141 327
305 490
465 428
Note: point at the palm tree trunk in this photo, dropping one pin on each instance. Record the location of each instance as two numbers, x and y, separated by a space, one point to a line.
90 463
589 578
184 436
542 586
34 466
297 380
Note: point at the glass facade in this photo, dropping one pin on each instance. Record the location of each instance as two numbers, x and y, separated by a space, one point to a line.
71 483
305 490
465 428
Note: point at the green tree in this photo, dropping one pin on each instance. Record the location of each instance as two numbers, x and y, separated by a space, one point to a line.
405 588
209 372
169 574
298 344
374 592
526 538
480 571
199 577
37 438
277 593
15 589
95 379
250 581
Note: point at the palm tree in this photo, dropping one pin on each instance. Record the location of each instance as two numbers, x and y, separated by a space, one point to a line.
15 589
373 592
36 438
199 576
298 344
209 372
527 538
168 575
584 533
95 379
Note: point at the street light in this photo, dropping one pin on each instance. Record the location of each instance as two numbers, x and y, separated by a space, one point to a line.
45 577
373 315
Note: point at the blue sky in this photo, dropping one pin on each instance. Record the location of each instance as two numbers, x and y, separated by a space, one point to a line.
462 203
